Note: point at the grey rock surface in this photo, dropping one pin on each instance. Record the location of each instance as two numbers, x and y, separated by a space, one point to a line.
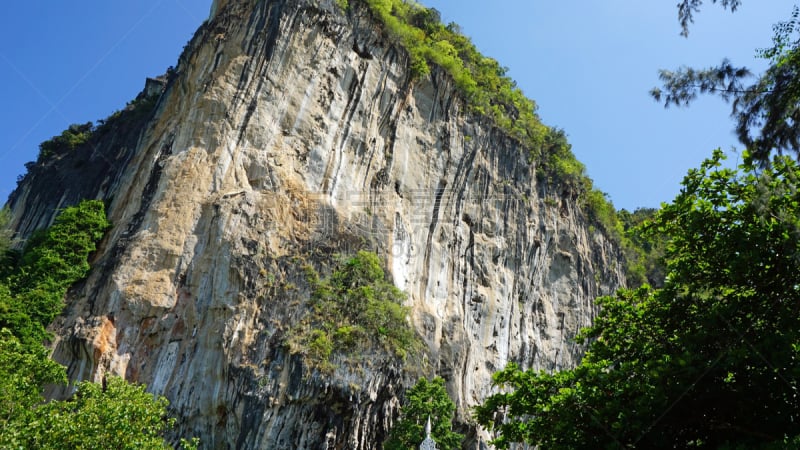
288 132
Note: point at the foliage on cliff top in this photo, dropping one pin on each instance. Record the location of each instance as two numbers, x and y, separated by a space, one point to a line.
489 92
352 311
712 359
482 80
77 135
74 136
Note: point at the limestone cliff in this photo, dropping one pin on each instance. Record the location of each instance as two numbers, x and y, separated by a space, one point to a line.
291 131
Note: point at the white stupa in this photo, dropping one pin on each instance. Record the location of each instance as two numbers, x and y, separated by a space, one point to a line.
428 443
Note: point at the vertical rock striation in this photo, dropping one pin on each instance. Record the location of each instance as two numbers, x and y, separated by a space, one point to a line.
289 132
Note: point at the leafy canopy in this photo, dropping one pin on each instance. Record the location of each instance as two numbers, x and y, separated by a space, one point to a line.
115 415
766 111
708 361
427 399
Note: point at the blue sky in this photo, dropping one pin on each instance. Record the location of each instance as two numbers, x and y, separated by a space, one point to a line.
587 64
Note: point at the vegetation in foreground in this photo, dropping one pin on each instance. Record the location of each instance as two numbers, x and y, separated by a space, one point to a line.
426 400
33 285
710 360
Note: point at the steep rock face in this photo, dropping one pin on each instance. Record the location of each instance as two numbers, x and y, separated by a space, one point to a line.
289 132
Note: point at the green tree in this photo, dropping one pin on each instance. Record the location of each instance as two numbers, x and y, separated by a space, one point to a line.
711 360
766 111
113 415
24 370
427 399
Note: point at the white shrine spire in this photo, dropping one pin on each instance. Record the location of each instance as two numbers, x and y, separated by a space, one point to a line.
428 443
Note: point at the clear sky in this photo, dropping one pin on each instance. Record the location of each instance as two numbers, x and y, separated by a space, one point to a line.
588 64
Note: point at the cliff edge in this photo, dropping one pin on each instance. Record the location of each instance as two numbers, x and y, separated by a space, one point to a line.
290 132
